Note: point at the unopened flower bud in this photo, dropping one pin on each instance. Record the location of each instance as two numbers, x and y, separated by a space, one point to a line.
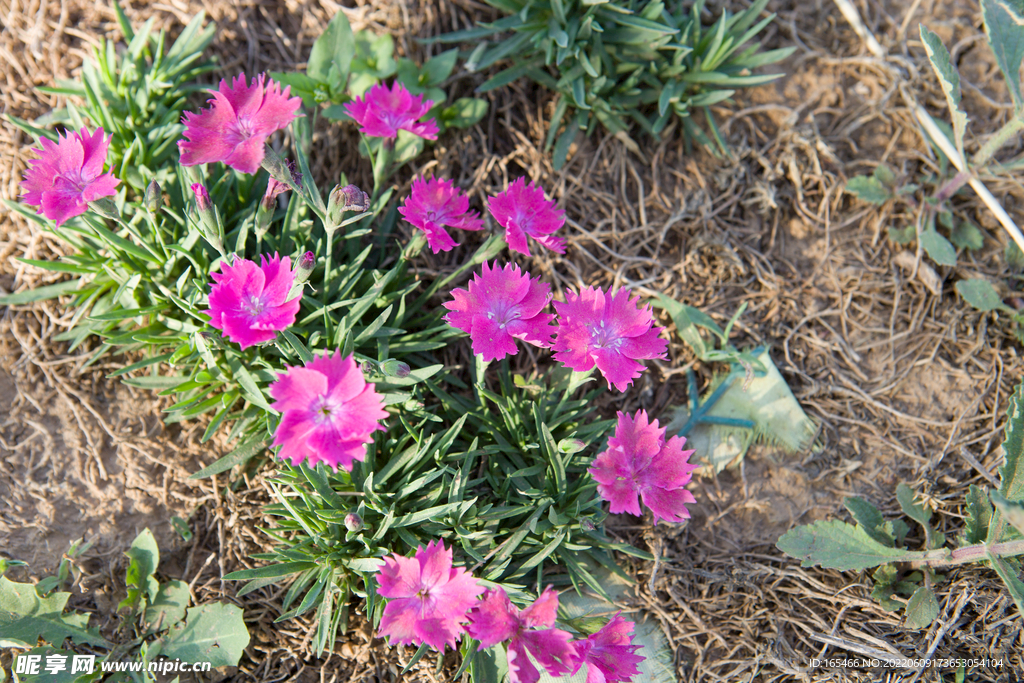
395 368
153 196
587 524
347 198
106 207
353 522
209 222
304 267
571 446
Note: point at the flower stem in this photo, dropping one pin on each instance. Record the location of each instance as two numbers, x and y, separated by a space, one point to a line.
326 287
382 166
944 557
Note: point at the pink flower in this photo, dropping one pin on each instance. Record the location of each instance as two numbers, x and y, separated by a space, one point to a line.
609 654
500 307
381 113
640 465
609 330
495 619
523 211
429 598
238 124
249 303
328 412
434 204
68 175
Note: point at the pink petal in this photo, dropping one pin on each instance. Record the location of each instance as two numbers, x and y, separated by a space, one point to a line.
667 505
648 345
520 668
670 468
552 648
543 611
490 341
247 155
399 577
637 437
291 436
296 389
616 368
435 562
494 619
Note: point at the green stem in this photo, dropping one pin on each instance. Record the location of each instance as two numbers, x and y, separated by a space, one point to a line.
326 286
382 167
945 557
996 142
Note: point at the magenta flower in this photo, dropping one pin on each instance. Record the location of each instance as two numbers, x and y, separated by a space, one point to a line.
68 175
639 464
249 303
381 113
434 204
328 412
609 330
429 598
495 619
522 210
609 654
500 307
238 124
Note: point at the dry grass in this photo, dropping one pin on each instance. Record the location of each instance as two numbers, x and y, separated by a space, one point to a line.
909 386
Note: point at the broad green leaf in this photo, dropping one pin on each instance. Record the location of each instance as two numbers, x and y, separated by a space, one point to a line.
949 79
938 248
981 295
331 56
27 617
211 633
979 516
438 68
143 560
1004 24
902 235
967 236
922 608
836 545
917 512
870 519
868 189
168 608
464 112
1012 511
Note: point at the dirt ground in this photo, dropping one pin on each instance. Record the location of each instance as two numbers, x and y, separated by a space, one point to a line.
903 381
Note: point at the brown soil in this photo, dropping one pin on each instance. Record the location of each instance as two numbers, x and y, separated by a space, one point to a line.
901 379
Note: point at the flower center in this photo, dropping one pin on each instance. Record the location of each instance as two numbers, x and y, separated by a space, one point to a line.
503 314
254 306
323 409
603 338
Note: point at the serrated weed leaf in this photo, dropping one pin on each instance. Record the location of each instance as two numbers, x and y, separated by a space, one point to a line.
27 617
922 608
836 545
1011 474
949 79
211 633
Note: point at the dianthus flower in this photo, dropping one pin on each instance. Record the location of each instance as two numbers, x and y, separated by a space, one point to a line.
381 113
500 307
249 303
609 330
495 619
522 210
68 175
609 654
328 412
435 204
238 124
639 464
429 598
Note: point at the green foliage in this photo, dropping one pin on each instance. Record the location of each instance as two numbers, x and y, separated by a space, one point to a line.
981 295
136 98
343 65
154 621
993 532
1004 24
499 473
623 62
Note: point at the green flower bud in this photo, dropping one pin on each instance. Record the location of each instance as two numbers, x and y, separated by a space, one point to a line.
304 267
153 197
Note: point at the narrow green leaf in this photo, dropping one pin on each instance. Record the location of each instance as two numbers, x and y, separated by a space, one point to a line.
1011 474
241 455
949 79
40 293
1008 573
273 570
979 516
